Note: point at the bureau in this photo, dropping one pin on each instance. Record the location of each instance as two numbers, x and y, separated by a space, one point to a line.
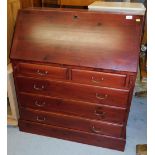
74 73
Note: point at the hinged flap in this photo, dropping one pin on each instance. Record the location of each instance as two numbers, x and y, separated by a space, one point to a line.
80 38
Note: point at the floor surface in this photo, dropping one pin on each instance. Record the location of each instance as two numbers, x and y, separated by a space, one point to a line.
20 143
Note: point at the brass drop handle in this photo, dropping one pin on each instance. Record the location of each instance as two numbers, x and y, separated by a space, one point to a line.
96 81
41 104
38 88
101 97
95 130
100 113
42 73
41 119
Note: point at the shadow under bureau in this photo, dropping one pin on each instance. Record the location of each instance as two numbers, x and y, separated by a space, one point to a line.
74 73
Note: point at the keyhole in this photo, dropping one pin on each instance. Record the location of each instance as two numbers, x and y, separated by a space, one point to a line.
99 24
75 17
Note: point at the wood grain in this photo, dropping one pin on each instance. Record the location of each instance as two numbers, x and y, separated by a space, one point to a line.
99 78
73 135
79 92
72 122
26 3
109 35
75 72
42 71
12 8
73 107
76 2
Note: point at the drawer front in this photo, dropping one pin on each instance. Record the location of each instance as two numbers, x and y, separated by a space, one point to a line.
72 122
98 78
73 135
41 71
67 90
83 109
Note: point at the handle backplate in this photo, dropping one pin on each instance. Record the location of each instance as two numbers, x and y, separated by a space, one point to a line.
101 96
38 88
96 81
41 119
39 104
42 73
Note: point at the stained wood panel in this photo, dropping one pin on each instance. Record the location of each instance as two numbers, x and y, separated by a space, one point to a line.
50 2
68 90
37 3
72 135
61 58
72 107
53 40
26 3
12 9
76 2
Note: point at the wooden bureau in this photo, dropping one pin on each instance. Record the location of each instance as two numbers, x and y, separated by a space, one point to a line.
74 73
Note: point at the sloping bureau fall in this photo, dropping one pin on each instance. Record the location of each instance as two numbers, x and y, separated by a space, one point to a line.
74 73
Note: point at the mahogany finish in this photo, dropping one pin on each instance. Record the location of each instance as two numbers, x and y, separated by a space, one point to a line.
72 122
73 135
100 40
99 78
41 71
74 73
76 2
68 90
72 107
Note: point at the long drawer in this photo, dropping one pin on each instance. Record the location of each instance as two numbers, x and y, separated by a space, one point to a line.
74 135
72 122
68 90
83 109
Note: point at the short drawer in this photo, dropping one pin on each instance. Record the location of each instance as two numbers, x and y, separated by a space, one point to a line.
38 70
98 78
68 90
72 122
83 109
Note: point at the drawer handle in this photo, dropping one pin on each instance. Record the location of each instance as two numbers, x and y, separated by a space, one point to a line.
43 73
41 119
100 113
42 104
38 88
95 130
101 97
96 81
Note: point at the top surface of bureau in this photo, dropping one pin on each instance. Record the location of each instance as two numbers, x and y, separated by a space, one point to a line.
78 38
